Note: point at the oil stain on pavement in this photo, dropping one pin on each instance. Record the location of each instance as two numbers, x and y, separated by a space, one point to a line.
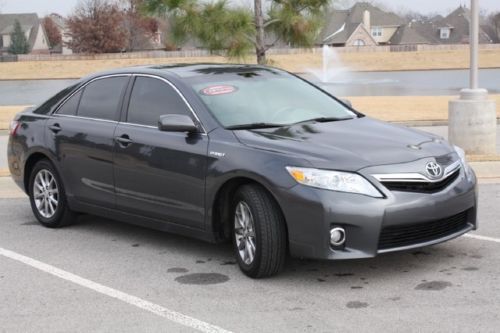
177 270
470 269
433 285
202 278
356 305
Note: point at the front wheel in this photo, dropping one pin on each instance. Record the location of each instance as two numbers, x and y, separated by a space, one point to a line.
47 196
259 234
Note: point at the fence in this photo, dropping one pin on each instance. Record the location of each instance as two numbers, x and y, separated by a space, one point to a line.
8 57
276 51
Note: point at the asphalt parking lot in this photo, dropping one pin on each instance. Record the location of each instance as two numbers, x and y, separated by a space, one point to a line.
101 275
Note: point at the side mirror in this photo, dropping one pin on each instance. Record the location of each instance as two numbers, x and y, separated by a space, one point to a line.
347 102
177 123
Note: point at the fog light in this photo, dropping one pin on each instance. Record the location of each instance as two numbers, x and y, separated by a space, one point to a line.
337 236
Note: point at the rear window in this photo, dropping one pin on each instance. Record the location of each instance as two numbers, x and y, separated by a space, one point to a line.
48 106
101 98
71 105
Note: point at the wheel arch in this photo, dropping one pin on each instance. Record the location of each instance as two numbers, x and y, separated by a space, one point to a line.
220 221
31 161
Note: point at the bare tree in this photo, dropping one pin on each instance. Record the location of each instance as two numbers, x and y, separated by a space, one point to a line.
142 30
97 26
52 31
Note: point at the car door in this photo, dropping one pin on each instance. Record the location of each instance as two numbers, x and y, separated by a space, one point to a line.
158 174
81 132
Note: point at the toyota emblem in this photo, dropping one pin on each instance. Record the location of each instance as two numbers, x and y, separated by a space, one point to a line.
433 169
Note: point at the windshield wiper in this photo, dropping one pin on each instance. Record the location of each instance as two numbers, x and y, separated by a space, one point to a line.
323 120
253 126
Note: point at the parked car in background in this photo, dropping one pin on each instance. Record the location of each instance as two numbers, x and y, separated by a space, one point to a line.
241 153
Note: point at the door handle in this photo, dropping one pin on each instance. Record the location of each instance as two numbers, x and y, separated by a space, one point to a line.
124 140
56 128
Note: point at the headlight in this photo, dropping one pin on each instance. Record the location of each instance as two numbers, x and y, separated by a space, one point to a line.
334 181
467 168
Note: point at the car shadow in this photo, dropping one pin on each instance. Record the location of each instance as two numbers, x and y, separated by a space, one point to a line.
356 274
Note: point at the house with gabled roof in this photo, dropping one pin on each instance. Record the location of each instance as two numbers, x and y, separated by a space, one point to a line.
32 28
361 25
452 29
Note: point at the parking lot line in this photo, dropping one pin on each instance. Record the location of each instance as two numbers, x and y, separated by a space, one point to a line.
484 238
156 309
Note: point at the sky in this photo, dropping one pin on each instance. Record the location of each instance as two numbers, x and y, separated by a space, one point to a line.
64 7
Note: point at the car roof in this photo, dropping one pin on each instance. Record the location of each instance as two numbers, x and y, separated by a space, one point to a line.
184 71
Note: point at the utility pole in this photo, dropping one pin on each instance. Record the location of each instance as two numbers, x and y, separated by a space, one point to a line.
474 45
472 123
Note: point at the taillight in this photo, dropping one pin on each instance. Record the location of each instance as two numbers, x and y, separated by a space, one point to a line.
14 125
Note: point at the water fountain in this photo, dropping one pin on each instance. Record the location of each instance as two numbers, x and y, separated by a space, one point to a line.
332 69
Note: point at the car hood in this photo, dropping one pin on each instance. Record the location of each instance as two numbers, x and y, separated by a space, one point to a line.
348 145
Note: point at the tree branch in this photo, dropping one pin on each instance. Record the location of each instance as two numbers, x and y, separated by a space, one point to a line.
272 44
268 23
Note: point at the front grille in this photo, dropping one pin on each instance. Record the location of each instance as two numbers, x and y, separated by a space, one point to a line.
422 187
410 234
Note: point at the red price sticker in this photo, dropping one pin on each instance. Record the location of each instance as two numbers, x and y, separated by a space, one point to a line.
218 90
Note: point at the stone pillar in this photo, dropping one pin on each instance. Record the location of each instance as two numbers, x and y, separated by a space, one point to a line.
472 122
472 119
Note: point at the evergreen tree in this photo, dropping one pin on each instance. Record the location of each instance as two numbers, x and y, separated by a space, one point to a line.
235 30
18 42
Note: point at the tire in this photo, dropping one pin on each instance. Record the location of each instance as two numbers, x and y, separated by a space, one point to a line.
52 215
269 232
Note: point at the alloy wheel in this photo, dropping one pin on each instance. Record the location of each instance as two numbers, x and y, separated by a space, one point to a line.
45 193
244 231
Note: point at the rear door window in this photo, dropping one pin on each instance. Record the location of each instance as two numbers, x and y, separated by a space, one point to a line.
152 98
71 105
101 98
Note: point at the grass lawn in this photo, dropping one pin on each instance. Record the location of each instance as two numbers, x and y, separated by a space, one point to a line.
373 61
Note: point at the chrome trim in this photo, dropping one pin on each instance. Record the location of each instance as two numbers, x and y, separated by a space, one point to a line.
85 118
179 93
137 125
38 115
82 87
417 177
148 126
125 122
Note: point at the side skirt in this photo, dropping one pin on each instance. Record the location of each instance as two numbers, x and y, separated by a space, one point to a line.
142 221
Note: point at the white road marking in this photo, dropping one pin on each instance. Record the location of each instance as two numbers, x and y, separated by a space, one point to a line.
156 309
484 238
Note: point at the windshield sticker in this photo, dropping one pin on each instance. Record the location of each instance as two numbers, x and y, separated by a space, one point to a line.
218 90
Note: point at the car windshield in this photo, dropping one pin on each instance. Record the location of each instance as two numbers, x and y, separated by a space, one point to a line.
263 97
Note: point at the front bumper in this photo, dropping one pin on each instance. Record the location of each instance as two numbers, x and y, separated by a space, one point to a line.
311 213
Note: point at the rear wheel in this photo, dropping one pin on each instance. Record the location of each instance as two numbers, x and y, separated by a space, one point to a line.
259 234
47 196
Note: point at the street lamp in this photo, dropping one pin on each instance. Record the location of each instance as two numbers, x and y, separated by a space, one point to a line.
472 118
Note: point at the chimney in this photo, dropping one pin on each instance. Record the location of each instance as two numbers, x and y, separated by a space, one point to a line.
366 20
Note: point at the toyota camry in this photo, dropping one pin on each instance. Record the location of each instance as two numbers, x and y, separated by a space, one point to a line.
246 154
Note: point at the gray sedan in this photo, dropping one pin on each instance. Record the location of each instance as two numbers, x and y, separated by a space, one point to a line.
245 154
